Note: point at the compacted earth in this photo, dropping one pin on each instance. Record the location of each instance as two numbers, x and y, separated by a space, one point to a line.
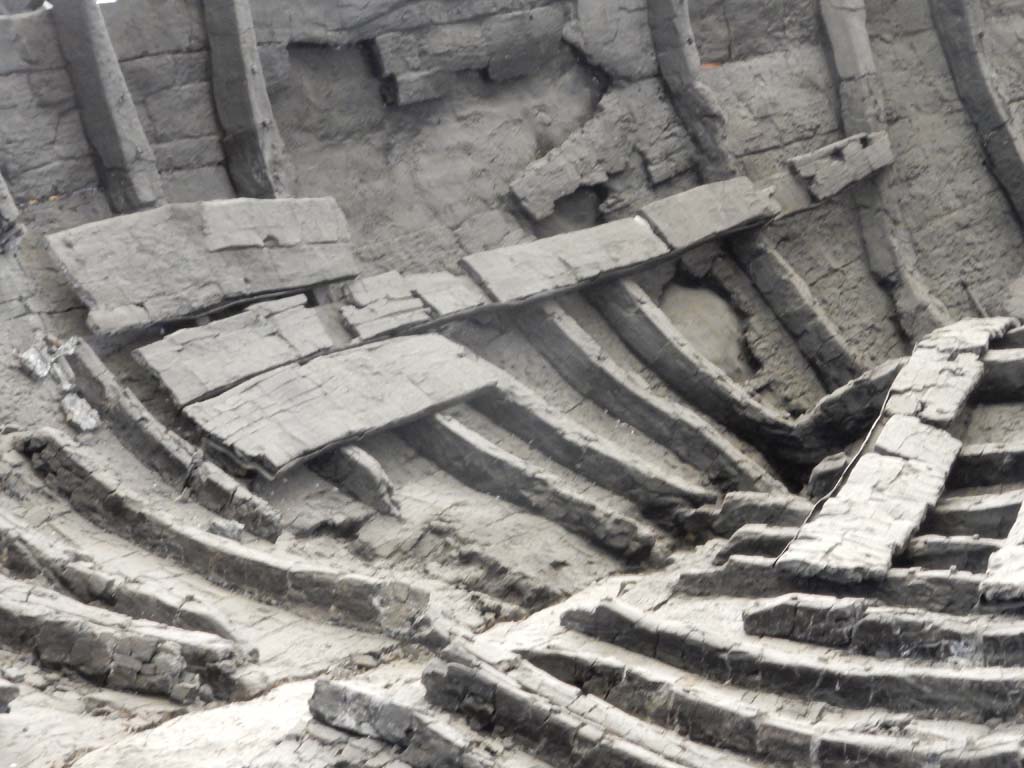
511 383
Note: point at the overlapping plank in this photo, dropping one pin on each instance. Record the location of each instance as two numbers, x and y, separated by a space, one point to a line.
1004 580
710 211
886 631
831 169
382 305
656 341
293 413
489 468
385 317
120 652
604 461
548 266
544 267
852 541
178 260
944 370
447 294
883 502
681 429
196 363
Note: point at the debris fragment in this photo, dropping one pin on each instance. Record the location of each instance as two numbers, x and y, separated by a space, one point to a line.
229 529
79 413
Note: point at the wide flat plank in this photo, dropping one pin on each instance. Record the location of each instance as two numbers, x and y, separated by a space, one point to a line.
178 260
544 267
880 506
852 541
196 363
1004 579
292 413
831 169
933 388
884 499
710 211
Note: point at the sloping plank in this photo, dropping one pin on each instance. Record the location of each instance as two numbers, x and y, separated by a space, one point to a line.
882 504
489 468
447 294
544 267
295 412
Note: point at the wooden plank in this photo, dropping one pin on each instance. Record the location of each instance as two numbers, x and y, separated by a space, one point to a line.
447 294
888 492
178 260
385 317
852 541
710 211
544 267
934 389
831 169
197 363
489 468
291 414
